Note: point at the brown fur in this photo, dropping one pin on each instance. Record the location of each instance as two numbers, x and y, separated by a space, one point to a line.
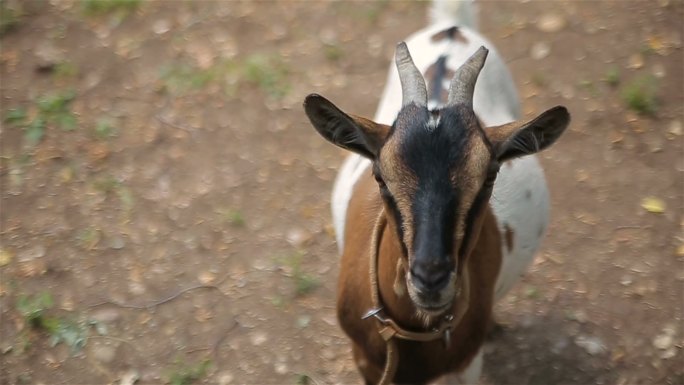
451 33
418 362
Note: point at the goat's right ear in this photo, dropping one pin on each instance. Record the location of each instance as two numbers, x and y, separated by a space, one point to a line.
354 133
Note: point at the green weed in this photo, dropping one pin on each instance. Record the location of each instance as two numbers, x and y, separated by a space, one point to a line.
89 237
539 80
102 7
34 310
181 77
640 95
15 117
65 70
333 52
52 110
232 216
304 283
590 87
612 77
186 375
268 73
10 16
303 379
104 129
532 292
109 185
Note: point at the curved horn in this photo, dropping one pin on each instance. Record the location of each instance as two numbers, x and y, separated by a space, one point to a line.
463 84
413 87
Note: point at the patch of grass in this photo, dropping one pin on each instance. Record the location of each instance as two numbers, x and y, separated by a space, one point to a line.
269 73
333 52
10 16
104 129
640 95
612 77
181 77
369 11
304 283
89 237
590 87
52 109
646 49
109 185
303 379
232 216
106 184
103 7
532 292
65 70
188 374
539 80
15 117
33 309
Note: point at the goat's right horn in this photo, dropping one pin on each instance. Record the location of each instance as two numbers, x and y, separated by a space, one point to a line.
413 87
463 84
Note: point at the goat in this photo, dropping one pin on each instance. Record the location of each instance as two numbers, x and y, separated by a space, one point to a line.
440 208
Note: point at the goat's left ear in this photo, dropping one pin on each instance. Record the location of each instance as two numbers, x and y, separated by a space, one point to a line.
350 132
517 139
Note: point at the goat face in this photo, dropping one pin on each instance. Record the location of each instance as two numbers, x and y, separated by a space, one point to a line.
435 171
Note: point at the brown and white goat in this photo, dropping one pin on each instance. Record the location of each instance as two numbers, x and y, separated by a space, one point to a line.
440 191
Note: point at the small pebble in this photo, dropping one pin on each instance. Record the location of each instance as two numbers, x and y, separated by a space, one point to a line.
675 128
258 338
540 50
104 353
298 237
303 321
106 315
281 368
161 27
117 243
551 23
129 378
592 345
35 252
225 378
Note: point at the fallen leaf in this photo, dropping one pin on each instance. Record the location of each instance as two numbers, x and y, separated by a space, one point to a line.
206 277
129 378
680 250
636 61
653 205
5 257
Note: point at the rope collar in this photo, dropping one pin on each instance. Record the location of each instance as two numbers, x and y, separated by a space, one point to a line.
390 330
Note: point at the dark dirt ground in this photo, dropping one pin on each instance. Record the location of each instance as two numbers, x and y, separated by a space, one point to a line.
175 206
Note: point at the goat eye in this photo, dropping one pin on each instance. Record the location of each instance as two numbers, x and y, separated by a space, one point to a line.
380 181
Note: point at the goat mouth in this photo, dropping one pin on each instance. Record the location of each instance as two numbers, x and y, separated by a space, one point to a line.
432 303
431 307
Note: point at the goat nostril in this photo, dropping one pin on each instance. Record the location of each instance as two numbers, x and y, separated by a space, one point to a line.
429 279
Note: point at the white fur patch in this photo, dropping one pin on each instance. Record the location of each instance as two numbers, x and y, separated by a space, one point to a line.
520 201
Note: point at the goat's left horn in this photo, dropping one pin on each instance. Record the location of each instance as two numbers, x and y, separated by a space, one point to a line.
412 83
463 84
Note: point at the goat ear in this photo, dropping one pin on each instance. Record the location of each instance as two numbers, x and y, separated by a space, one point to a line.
515 139
350 132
